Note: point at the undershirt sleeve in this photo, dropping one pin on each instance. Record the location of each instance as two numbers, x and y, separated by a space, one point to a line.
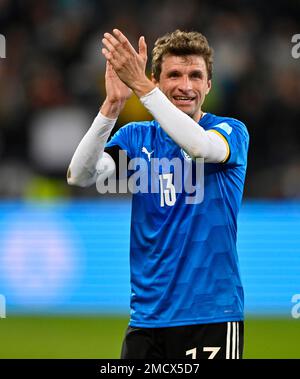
184 131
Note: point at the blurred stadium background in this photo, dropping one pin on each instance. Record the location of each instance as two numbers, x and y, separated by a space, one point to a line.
64 270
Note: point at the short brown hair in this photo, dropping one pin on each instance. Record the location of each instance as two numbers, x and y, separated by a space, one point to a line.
181 43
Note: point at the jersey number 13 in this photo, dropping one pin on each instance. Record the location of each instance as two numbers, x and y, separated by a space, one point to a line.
167 190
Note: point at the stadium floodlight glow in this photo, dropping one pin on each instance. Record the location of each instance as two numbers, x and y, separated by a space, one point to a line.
296 48
2 306
2 46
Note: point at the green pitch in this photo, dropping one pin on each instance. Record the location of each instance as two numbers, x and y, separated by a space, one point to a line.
101 337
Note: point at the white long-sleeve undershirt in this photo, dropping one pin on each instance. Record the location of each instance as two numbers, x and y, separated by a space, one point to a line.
89 161
189 135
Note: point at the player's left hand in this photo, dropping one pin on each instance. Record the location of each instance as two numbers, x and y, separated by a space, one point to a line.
129 64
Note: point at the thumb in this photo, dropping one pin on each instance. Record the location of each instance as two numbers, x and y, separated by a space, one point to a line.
143 48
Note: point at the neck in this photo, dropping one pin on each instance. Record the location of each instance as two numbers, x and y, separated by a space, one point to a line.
197 116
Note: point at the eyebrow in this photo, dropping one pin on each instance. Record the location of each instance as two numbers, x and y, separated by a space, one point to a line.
173 72
177 72
197 71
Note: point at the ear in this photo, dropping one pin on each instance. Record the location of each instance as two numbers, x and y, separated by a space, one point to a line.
153 80
208 87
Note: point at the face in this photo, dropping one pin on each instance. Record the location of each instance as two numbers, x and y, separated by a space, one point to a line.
184 81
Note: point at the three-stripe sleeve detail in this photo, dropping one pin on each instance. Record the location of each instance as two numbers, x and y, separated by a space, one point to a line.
232 340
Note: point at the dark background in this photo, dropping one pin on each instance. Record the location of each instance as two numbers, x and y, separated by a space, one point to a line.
52 83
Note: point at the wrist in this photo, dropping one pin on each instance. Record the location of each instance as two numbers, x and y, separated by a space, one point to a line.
142 88
112 109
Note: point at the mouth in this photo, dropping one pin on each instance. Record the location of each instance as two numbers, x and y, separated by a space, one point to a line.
183 100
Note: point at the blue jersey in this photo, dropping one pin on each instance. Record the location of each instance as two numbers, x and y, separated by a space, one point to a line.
183 257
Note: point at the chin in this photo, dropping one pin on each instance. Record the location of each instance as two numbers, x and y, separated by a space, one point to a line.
188 112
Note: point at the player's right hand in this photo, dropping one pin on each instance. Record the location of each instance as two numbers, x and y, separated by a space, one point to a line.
116 90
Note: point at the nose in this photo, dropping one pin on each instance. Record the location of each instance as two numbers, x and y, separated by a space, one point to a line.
185 83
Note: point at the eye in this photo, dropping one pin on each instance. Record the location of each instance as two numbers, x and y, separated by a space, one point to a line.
173 74
196 75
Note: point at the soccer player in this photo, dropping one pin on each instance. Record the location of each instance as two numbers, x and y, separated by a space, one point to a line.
186 291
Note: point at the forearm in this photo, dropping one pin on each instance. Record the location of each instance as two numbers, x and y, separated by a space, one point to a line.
82 169
112 110
197 142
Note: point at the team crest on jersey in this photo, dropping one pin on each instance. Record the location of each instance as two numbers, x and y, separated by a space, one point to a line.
185 155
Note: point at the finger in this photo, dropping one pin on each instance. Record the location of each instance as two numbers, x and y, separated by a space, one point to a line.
143 47
107 70
112 40
111 68
109 46
123 40
110 72
108 55
108 67
111 61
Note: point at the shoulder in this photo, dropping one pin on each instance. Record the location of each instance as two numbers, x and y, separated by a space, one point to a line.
227 124
139 125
